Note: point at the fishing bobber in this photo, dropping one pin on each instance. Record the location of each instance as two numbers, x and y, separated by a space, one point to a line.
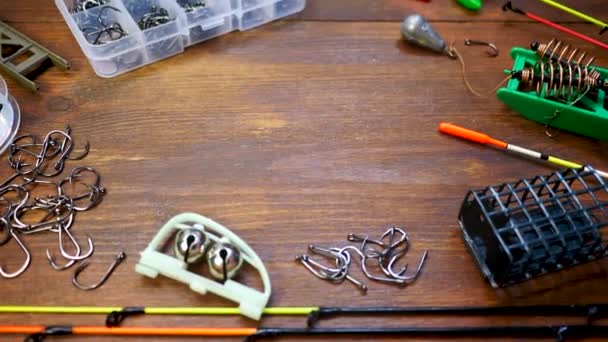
9 117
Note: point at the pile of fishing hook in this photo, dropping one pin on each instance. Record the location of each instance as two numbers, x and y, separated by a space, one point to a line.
382 254
38 166
155 17
192 5
83 5
98 31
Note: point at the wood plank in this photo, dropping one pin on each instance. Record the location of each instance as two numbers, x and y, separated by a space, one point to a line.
291 134
33 11
395 10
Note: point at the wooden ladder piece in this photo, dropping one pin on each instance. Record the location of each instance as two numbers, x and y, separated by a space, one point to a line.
20 55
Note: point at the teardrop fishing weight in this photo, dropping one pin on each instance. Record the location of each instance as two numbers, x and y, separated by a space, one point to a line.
417 30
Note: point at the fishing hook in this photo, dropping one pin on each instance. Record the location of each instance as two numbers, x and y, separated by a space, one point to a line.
85 150
320 271
121 256
364 266
368 251
75 173
404 239
6 229
70 262
22 195
6 183
62 228
399 275
43 224
493 51
25 265
375 277
343 261
323 272
65 148
95 193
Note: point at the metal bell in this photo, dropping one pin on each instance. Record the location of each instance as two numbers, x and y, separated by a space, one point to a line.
415 29
190 245
224 261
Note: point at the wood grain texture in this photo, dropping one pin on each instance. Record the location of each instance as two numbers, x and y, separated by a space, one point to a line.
294 133
35 11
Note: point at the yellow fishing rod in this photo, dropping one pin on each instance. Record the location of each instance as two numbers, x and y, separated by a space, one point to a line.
577 14
116 315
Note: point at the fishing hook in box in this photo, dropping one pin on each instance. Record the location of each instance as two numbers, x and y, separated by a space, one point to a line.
190 5
83 5
155 17
104 33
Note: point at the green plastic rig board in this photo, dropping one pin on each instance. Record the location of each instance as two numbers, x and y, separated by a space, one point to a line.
20 56
588 117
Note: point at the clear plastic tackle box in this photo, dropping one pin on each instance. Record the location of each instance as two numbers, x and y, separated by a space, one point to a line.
121 35
9 117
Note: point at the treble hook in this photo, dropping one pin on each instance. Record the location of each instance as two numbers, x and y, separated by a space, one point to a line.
493 51
26 264
121 256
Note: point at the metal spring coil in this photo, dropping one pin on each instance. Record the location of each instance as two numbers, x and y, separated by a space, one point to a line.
550 51
559 80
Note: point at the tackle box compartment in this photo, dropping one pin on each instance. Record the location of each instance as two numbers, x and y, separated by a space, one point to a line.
191 22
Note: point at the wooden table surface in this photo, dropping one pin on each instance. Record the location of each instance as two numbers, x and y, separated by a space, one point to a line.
297 132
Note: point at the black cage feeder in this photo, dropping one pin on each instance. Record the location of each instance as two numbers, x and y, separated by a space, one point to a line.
517 231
